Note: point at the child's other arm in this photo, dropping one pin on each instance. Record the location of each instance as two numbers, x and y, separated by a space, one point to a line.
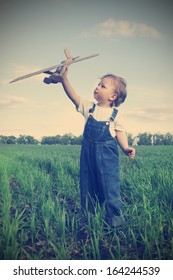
123 143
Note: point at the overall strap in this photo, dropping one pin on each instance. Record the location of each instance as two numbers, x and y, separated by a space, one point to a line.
114 113
112 117
91 110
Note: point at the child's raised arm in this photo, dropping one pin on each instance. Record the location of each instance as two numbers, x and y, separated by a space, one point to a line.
69 89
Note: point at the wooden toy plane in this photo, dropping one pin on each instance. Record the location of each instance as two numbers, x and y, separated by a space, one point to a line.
53 78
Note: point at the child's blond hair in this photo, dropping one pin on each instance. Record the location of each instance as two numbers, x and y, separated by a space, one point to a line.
120 89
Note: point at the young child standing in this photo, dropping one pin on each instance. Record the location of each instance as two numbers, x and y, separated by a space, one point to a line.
99 161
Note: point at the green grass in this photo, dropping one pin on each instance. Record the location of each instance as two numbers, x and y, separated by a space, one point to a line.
40 215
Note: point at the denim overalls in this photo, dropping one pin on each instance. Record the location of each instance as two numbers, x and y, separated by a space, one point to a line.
99 167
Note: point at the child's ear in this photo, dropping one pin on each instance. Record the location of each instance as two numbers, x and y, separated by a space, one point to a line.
113 97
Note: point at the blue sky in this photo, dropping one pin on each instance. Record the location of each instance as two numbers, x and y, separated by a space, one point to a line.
134 40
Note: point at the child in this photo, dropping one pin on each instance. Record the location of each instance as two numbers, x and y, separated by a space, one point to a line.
99 161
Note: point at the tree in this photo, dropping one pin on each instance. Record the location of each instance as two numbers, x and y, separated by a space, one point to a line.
11 140
3 139
168 139
26 139
67 138
47 140
77 140
145 139
130 138
57 139
158 139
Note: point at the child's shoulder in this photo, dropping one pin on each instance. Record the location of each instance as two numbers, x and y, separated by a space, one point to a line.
87 104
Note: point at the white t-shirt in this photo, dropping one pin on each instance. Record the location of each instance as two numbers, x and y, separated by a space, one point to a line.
100 114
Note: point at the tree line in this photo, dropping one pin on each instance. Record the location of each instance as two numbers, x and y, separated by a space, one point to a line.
69 139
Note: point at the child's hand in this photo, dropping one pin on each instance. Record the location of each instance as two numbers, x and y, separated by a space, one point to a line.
130 151
57 77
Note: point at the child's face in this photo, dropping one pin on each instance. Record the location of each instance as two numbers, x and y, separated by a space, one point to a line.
104 93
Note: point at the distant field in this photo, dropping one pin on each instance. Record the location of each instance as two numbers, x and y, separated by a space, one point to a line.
40 215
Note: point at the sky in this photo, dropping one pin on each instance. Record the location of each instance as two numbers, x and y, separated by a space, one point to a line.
134 40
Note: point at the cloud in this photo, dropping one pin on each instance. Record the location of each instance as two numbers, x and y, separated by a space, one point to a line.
156 113
123 28
12 101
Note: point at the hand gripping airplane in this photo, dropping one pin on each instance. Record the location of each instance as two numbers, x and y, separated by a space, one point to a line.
53 78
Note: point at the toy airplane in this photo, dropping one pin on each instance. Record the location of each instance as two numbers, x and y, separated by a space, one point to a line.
53 78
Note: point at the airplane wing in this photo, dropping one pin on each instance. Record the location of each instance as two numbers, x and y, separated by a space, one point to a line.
36 73
52 67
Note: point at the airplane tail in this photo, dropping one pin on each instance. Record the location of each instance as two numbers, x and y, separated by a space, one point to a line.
67 53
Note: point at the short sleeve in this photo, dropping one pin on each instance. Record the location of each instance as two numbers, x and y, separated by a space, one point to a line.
84 107
118 123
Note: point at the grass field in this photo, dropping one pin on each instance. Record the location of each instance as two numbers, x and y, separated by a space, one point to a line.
40 215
